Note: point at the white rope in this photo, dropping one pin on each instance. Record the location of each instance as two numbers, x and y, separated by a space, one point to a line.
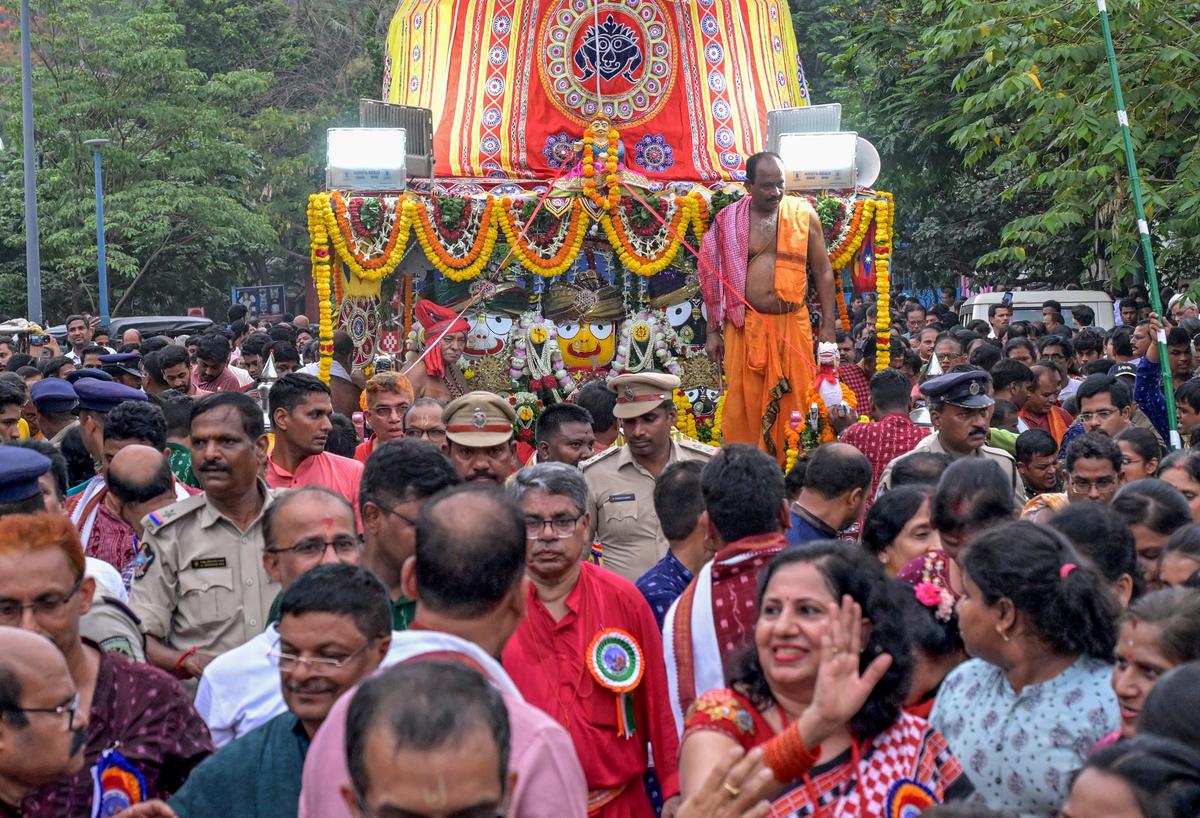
596 66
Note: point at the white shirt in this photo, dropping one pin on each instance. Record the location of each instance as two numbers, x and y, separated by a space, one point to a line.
242 375
240 689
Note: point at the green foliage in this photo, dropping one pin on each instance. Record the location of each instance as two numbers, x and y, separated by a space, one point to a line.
997 129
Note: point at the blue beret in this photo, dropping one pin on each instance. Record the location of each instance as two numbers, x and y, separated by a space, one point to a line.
88 372
20 469
102 396
966 389
53 396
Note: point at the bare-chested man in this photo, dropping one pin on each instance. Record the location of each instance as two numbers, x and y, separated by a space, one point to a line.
761 251
437 374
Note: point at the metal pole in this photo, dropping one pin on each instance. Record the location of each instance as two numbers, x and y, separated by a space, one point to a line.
33 250
101 264
1143 226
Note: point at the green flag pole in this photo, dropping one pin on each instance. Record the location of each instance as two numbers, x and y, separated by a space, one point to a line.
1143 226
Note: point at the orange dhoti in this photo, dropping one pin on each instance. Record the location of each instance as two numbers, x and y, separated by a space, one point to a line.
767 380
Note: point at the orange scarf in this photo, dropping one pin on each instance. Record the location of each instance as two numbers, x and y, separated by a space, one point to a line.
791 250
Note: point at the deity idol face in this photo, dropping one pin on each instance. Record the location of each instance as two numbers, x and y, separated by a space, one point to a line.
489 332
704 401
689 321
600 127
587 346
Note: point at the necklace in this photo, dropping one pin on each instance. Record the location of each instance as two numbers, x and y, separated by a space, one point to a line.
456 385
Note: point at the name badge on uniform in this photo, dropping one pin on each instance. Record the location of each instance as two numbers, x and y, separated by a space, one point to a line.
215 562
620 498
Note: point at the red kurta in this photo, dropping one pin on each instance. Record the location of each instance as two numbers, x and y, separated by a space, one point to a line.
546 660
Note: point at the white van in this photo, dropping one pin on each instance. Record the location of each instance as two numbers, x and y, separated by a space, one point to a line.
1027 305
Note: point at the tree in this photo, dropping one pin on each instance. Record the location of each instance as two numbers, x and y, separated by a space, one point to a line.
179 217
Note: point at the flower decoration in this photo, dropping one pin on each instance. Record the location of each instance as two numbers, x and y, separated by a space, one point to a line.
372 248
547 253
528 408
935 596
718 426
646 341
536 364
463 248
611 179
824 430
841 254
322 272
648 250
883 281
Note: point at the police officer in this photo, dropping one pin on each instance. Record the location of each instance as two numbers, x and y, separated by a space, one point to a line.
55 401
621 478
479 426
124 367
200 587
960 408
20 470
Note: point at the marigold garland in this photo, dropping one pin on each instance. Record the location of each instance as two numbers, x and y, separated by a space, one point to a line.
530 255
885 214
318 207
826 433
475 259
841 255
792 454
337 223
618 237
843 311
610 167
685 418
718 424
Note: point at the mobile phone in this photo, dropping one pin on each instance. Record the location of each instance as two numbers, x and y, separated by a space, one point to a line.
39 340
1007 299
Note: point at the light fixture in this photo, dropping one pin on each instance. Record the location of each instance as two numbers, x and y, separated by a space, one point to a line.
365 159
839 160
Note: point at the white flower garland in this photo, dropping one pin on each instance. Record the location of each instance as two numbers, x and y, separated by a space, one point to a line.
646 341
536 363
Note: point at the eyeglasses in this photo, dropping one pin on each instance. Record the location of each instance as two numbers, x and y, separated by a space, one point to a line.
1102 415
1130 461
70 707
431 434
404 517
1103 484
561 526
342 546
483 811
390 411
50 605
317 664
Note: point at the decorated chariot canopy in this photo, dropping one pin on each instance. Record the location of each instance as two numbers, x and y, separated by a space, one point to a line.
582 150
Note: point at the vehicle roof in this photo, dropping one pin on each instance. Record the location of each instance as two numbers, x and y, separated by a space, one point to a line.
1038 296
149 325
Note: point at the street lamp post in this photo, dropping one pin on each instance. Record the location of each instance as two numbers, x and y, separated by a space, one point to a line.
101 265
33 250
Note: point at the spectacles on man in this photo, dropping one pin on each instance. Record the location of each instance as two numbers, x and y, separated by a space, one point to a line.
44 607
403 517
316 547
384 412
481 811
69 707
562 527
317 664
1100 415
1084 485
414 433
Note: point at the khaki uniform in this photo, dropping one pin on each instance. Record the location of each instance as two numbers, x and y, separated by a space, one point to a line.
621 504
933 443
114 628
204 584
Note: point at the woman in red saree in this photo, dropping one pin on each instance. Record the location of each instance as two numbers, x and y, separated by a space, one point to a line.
868 757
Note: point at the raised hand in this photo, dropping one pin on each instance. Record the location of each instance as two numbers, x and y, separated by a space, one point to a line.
841 690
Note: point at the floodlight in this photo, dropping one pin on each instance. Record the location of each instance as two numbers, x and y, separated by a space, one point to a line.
806 119
365 159
819 161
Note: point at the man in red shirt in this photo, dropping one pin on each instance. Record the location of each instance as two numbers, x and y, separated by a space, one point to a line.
1041 410
300 410
212 372
389 396
589 652
893 433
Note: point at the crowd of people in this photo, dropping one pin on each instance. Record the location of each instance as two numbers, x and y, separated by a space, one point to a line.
229 587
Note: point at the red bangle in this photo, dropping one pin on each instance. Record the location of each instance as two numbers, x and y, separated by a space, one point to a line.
180 673
787 756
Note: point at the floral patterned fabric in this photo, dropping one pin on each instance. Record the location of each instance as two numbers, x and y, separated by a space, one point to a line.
908 751
1019 749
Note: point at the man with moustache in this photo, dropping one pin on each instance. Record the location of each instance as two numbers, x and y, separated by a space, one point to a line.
335 627
961 409
137 716
479 427
584 626
621 479
202 588
42 732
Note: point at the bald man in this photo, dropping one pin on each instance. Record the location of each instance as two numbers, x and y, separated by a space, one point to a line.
140 482
41 734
